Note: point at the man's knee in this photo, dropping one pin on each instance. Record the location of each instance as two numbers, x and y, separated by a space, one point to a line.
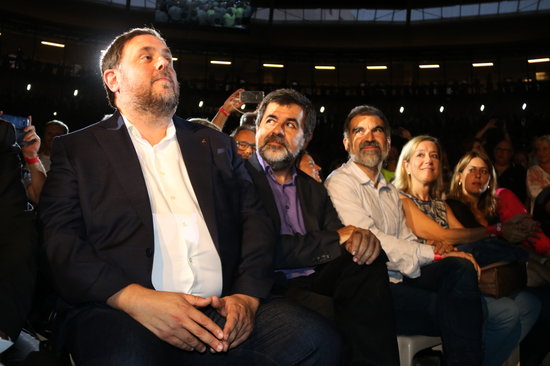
303 336
461 276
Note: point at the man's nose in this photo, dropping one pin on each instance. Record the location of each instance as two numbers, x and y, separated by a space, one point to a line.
162 62
278 129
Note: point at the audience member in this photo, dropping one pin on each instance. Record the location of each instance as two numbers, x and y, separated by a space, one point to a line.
538 183
419 180
18 239
248 118
315 253
475 207
308 166
231 104
156 238
52 129
433 294
205 122
34 175
509 174
245 138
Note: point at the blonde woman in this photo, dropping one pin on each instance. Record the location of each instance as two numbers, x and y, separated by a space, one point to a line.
418 177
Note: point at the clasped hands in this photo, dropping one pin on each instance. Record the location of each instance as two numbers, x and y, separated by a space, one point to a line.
176 318
363 245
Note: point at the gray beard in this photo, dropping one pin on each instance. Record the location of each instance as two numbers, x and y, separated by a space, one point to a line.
369 159
278 162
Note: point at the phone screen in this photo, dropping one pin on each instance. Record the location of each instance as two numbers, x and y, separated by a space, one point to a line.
253 97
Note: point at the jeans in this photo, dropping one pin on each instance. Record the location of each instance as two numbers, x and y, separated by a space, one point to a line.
508 321
444 301
283 335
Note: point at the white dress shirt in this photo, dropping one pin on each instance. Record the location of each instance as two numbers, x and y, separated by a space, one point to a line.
185 258
379 209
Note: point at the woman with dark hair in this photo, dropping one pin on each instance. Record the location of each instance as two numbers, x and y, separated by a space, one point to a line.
476 203
419 178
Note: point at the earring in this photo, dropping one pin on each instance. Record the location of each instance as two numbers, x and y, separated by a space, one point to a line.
459 183
409 173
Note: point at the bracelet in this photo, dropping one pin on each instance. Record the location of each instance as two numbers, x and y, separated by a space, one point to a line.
438 257
32 160
494 230
224 112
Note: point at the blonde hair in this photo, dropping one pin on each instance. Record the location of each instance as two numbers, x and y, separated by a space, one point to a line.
488 200
402 180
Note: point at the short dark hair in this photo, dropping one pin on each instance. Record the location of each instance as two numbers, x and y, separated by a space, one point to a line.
287 97
250 128
367 110
113 54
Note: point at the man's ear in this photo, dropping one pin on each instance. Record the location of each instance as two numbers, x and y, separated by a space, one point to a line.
346 144
110 78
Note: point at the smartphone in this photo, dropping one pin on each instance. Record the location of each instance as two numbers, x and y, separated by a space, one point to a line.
252 97
19 123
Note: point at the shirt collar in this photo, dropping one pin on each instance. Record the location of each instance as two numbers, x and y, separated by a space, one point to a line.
269 172
133 130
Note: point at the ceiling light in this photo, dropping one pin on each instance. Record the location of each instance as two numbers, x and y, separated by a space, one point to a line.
175 59
537 60
482 108
377 67
482 64
218 62
441 109
53 44
429 66
524 106
278 66
75 93
401 109
325 67
201 103
322 109
28 86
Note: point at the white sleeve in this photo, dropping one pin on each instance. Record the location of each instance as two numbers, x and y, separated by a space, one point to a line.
404 254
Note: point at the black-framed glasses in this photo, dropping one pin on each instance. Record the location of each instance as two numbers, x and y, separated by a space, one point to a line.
243 145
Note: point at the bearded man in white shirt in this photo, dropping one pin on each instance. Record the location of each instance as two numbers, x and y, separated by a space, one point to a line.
157 240
433 294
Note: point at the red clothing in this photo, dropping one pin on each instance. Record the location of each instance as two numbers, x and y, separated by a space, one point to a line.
509 206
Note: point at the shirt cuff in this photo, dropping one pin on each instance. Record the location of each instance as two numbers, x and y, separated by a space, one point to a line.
425 254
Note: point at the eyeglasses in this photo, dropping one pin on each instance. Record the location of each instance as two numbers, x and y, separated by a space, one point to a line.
476 171
243 145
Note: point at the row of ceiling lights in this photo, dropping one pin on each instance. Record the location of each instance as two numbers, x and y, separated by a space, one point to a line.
332 67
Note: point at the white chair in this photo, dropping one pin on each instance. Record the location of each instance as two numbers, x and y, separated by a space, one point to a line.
409 346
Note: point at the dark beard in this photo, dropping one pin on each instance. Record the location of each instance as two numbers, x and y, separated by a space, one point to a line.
158 105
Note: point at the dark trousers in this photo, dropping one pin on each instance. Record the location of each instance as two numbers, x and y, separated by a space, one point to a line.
283 335
361 306
536 345
444 301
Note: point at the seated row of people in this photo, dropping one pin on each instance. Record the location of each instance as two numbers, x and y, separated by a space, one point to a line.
166 247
